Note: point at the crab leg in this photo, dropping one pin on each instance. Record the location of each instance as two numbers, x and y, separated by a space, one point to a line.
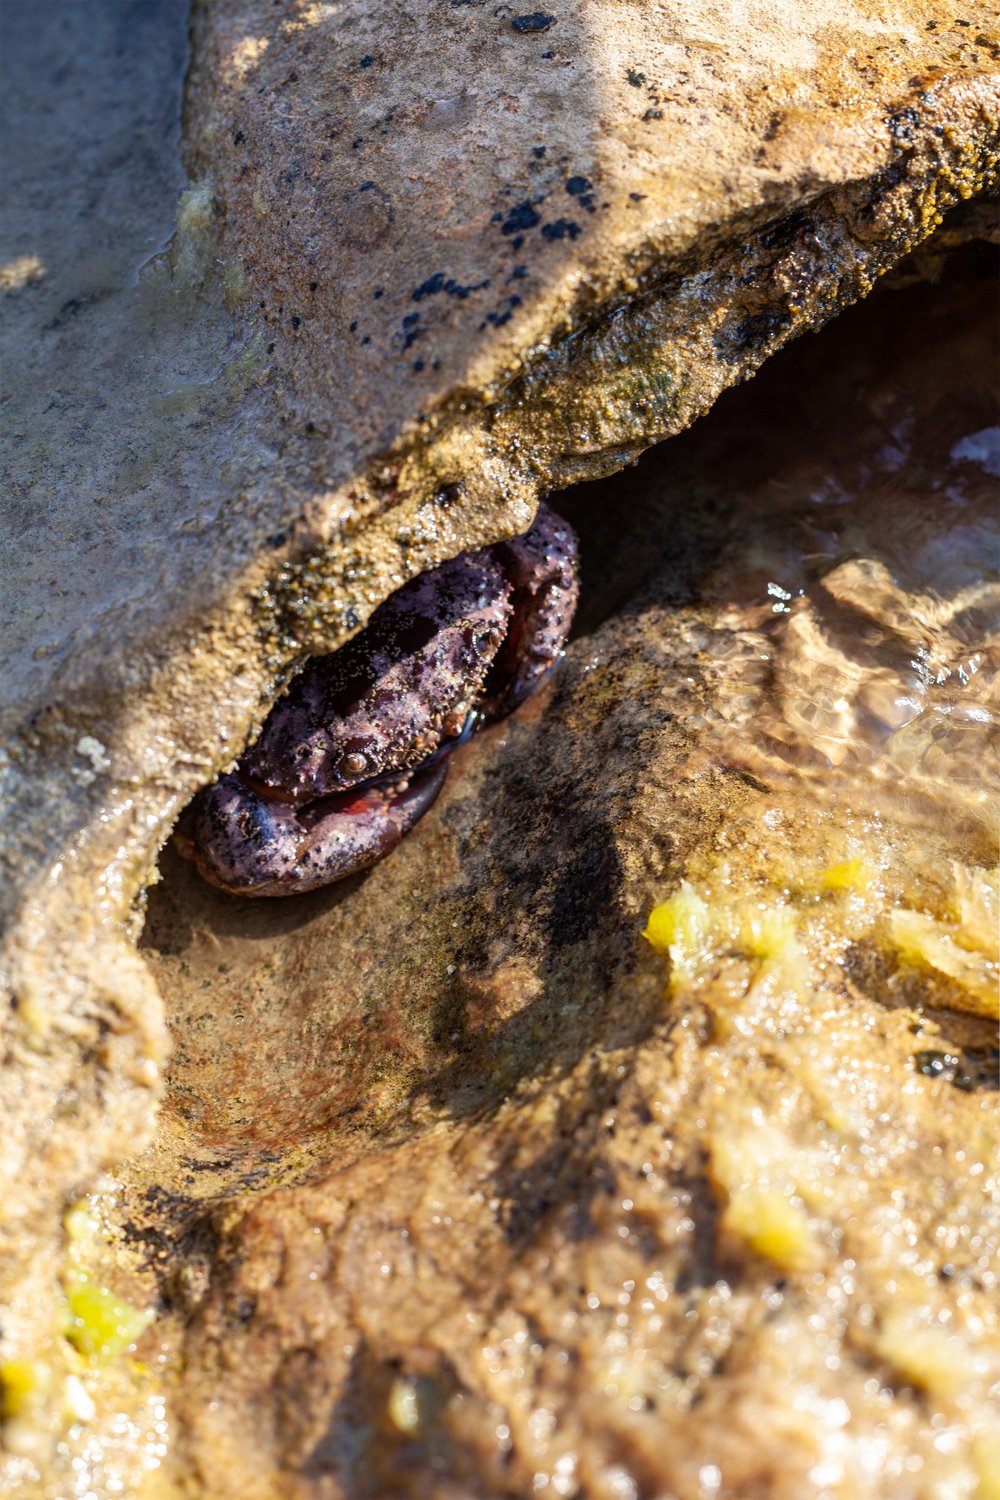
542 568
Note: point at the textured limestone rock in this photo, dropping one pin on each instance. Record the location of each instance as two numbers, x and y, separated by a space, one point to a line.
427 263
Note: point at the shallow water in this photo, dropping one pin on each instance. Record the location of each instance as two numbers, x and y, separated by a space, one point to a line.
850 586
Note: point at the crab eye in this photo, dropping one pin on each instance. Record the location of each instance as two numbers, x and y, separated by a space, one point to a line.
353 764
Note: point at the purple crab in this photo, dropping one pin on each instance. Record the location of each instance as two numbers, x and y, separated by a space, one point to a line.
356 751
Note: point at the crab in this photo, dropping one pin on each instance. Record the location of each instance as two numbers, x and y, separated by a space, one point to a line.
357 750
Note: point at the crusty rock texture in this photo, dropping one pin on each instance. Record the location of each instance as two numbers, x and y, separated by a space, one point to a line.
393 272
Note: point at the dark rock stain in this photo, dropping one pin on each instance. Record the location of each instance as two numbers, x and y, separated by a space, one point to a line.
535 20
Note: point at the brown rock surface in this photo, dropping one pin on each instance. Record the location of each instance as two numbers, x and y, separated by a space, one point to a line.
212 473
462 1197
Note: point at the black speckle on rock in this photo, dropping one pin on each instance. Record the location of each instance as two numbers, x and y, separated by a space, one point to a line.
535 20
577 185
295 322
418 365
538 152
638 197
367 60
411 329
517 242
561 229
653 114
378 292
518 273
636 79
367 339
239 138
428 288
313 285
354 327
522 216
503 313
447 284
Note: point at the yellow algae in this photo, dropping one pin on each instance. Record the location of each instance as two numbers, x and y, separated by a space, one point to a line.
927 942
986 1462
965 949
23 1383
681 929
977 908
832 1102
101 1326
765 1156
194 209
81 1228
854 875
78 1404
771 932
235 287
195 213
768 1181
773 1226
932 1359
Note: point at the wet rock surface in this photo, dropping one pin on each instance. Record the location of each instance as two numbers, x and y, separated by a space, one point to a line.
462 1187
188 524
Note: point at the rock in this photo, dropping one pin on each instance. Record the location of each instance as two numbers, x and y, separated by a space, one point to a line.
481 1190
212 473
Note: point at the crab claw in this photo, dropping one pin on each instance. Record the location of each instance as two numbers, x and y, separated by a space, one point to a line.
272 848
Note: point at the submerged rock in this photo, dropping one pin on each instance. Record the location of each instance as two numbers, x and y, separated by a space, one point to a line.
422 269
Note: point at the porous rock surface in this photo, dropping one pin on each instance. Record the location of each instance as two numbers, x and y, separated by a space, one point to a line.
426 264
